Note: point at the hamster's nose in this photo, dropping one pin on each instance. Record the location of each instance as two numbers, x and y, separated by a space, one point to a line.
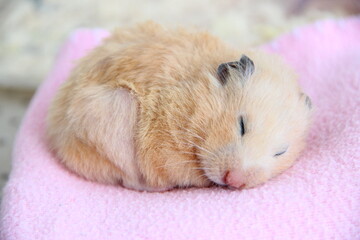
234 179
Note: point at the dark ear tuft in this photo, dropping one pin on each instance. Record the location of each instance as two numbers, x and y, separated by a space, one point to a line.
223 73
247 65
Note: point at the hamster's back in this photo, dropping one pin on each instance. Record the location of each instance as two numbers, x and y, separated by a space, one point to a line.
151 56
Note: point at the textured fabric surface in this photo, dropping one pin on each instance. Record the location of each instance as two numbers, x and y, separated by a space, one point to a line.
319 198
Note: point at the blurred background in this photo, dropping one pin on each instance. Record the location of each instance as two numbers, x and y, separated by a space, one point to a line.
31 32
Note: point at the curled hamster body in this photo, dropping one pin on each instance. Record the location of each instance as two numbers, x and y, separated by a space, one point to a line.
153 109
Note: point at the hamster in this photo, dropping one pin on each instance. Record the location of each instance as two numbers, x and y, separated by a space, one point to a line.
154 108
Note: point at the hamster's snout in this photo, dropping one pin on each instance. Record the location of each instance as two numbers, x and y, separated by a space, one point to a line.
234 179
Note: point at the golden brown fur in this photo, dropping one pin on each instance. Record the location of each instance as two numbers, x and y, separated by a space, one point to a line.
146 109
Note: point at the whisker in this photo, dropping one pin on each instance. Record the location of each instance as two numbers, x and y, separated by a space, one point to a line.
197 154
202 148
205 176
191 132
187 118
192 144
175 163
188 133
188 130
189 143
200 168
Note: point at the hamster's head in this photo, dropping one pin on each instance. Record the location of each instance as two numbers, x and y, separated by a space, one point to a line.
256 121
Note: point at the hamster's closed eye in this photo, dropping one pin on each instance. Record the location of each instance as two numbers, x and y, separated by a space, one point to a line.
281 152
242 125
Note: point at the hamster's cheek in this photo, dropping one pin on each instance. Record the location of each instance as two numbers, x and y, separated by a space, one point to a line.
284 163
256 180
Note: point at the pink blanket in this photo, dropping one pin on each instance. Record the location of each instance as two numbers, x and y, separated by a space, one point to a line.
319 198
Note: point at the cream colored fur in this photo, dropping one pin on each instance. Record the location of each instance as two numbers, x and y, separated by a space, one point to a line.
146 110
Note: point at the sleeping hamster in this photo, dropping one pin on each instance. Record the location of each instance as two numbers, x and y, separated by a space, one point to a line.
153 109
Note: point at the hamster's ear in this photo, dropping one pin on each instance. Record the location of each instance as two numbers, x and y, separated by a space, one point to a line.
247 65
223 73
306 100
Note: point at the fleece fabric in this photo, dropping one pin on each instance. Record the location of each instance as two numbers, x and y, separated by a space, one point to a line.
318 198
